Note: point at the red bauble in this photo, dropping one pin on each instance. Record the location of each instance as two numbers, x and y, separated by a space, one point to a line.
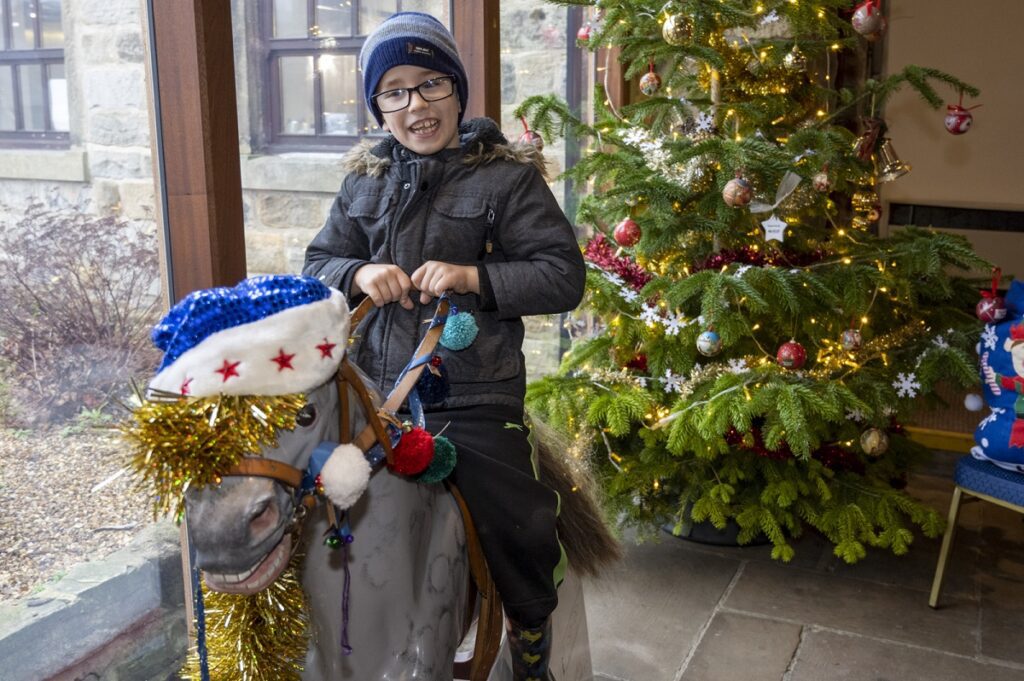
583 35
868 19
413 453
627 232
791 355
958 119
638 363
991 309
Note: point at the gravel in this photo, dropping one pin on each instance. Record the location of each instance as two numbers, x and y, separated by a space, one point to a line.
54 510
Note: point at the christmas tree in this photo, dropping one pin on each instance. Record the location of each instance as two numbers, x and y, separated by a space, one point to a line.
754 347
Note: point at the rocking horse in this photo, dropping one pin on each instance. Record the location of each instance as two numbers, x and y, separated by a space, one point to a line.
259 428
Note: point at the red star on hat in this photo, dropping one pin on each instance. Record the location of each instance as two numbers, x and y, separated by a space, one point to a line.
228 370
326 349
184 387
284 360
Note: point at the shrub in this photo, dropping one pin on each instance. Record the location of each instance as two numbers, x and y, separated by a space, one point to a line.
78 295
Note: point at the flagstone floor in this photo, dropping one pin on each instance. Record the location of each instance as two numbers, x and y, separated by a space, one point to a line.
674 610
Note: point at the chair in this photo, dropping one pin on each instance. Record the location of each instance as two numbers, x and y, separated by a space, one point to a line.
980 480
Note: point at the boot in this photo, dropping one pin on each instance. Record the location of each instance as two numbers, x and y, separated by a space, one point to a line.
531 651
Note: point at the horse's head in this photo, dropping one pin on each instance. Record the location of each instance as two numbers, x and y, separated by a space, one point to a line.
248 390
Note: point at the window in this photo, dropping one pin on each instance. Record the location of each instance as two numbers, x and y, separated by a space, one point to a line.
33 88
313 97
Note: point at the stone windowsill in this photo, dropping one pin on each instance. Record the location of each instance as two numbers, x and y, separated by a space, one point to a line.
65 165
291 172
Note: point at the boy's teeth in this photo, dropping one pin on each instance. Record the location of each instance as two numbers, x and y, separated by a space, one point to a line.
424 127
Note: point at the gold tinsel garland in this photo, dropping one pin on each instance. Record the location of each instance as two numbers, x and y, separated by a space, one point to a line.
183 442
262 637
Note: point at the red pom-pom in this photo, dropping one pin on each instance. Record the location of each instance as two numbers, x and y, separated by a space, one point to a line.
413 453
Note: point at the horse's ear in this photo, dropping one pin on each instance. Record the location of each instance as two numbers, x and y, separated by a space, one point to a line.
345 475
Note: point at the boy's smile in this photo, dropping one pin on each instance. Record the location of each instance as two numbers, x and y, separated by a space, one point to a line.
423 127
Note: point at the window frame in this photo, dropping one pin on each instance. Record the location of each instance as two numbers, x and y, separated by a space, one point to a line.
48 138
273 49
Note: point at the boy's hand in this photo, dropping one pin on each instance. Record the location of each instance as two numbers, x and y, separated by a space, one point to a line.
433 278
384 284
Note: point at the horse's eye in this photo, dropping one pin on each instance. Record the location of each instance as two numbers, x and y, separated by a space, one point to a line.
306 416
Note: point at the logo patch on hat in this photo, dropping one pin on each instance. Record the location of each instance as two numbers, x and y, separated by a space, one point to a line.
421 50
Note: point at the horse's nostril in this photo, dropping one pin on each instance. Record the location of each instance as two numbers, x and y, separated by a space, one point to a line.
265 519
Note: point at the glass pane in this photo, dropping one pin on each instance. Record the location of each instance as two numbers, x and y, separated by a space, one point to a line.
81 290
3 33
297 117
52 28
33 111
437 8
23 28
290 19
340 81
6 98
373 12
334 18
58 98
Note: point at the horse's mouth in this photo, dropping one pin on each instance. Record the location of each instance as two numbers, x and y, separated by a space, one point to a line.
258 577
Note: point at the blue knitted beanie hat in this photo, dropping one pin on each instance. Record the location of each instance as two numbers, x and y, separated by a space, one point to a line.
414 39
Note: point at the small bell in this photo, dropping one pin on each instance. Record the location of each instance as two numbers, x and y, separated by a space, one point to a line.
890 166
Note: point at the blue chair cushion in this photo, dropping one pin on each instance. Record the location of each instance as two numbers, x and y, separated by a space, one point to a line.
986 478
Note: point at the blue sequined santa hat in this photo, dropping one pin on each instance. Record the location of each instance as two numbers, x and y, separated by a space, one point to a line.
271 335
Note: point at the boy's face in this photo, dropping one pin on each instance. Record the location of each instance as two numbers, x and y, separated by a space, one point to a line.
423 127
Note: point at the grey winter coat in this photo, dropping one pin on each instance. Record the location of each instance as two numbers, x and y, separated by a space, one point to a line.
484 204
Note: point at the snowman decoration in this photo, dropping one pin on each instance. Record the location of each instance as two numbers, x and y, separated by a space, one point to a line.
996 382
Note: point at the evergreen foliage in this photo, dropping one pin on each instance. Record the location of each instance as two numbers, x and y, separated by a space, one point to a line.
736 436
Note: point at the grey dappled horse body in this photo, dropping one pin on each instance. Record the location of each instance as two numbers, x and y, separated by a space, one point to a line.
408 562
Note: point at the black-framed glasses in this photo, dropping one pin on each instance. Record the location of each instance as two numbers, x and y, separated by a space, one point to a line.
432 90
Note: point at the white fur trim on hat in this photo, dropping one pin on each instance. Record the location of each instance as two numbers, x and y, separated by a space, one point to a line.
292 351
345 475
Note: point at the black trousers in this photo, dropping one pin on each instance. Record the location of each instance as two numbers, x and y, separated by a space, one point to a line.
514 512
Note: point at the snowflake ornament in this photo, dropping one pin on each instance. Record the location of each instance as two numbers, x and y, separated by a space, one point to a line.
628 294
855 415
741 270
906 384
940 342
649 313
674 324
737 365
672 382
705 122
770 18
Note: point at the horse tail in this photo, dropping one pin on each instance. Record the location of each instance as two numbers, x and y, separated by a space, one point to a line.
582 527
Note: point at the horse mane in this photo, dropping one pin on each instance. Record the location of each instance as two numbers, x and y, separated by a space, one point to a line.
582 525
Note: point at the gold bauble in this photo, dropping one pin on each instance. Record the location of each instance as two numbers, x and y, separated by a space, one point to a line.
874 442
795 61
676 30
864 199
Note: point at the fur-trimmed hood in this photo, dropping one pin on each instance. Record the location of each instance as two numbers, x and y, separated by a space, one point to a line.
481 143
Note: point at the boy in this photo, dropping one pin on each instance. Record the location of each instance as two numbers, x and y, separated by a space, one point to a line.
440 205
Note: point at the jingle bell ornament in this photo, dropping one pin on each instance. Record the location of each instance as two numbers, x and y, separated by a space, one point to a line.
958 119
868 19
851 340
650 83
737 192
791 355
627 232
530 136
676 30
874 442
709 343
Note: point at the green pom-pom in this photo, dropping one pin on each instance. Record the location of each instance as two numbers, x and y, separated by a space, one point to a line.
443 463
459 331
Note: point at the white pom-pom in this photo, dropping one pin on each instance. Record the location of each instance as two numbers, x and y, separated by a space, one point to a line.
973 402
345 475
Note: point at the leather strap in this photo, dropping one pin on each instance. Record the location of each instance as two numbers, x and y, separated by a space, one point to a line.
374 430
365 305
491 621
267 468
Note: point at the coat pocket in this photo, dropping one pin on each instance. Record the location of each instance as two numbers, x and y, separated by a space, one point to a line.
370 212
456 230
